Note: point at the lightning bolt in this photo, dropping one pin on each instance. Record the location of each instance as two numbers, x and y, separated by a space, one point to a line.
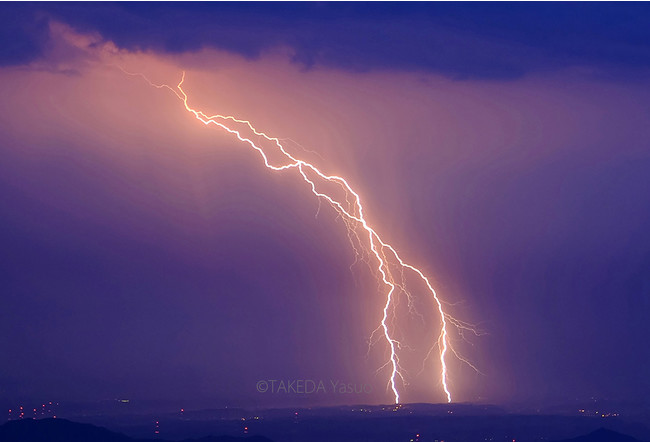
383 258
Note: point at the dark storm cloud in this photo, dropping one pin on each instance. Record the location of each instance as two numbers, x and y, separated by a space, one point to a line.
144 256
23 34
458 40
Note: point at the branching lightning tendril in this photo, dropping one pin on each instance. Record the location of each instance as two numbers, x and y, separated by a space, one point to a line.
383 258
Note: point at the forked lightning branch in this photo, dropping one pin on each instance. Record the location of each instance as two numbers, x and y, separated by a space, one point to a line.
391 269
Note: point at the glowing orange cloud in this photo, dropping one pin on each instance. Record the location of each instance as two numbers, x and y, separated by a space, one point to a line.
366 242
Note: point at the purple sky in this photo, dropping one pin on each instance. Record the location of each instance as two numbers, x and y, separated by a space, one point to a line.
147 256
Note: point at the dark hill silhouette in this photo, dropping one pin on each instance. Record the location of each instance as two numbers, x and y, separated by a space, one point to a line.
226 439
56 430
602 435
62 430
